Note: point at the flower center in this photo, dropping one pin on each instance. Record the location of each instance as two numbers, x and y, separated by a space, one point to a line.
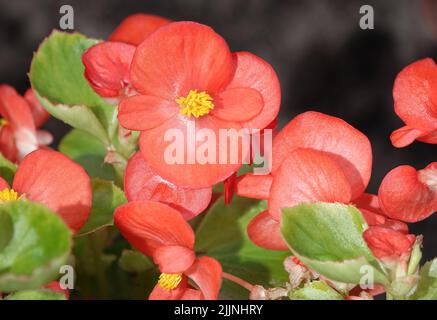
429 177
195 104
3 122
7 195
169 281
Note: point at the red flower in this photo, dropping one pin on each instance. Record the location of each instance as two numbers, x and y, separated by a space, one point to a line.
55 286
415 98
184 73
137 27
141 183
52 179
389 245
160 232
19 119
409 195
316 158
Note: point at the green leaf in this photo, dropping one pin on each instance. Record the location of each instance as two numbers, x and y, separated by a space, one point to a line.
327 237
427 288
6 229
56 75
134 261
43 294
222 235
315 290
106 198
7 169
89 152
40 244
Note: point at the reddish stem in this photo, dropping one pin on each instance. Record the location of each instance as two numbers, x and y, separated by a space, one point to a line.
238 281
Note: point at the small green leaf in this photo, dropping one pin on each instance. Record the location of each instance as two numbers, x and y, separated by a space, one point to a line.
89 152
427 288
43 294
106 198
7 169
327 237
316 290
222 235
40 244
134 261
6 229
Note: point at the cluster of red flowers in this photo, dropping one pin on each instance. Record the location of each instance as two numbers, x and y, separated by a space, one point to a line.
164 75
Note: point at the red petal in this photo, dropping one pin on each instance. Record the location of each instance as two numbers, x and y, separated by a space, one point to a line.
3 184
7 143
307 176
369 202
195 58
141 183
405 196
56 287
107 66
386 243
189 171
254 186
405 136
137 27
206 272
350 148
192 294
238 104
51 178
148 225
159 293
145 112
253 72
265 232
430 137
374 219
40 115
415 95
229 188
173 259
15 109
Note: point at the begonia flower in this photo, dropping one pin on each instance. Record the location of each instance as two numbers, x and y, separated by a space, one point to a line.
50 178
160 232
141 183
198 83
415 99
20 117
409 195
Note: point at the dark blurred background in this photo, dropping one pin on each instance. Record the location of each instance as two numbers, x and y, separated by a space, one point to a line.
325 62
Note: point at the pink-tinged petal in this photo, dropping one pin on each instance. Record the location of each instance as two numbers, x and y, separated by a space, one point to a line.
51 178
107 66
369 202
148 225
430 137
40 115
405 136
44 138
206 272
3 184
375 219
415 95
173 153
253 72
409 195
145 112
307 176
8 147
265 232
173 259
254 186
192 294
159 293
386 243
137 27
195 58
348 146
142 183
238 104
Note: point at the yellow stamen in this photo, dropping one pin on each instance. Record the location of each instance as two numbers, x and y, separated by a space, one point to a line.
3 122
169 281
7 195
195 104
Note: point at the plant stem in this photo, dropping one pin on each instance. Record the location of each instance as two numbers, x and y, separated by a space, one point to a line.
238 281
